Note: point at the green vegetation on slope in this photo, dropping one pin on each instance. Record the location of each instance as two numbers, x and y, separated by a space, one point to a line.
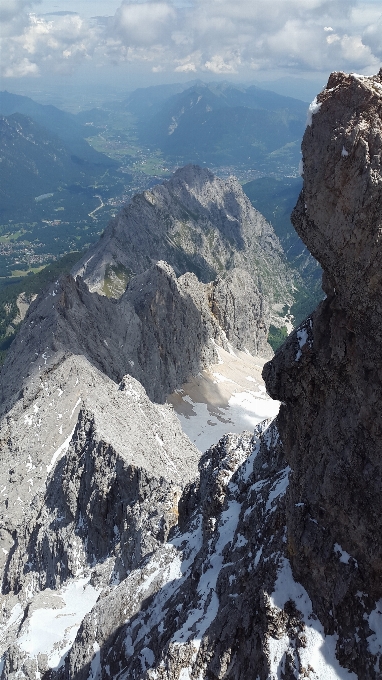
276 336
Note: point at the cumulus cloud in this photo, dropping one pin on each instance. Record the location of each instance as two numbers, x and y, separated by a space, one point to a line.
215 36
32 45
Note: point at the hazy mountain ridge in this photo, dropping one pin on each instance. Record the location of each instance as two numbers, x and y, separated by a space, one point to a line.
60 123
224 124
34 162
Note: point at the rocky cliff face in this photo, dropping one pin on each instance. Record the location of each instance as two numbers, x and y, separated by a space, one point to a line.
161 331
92 470
197 223
328 373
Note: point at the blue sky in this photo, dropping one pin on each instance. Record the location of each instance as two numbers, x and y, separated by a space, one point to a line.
159 40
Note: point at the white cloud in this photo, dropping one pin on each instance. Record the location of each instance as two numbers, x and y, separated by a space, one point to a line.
11 9
145 24
186 68
218 65
218 36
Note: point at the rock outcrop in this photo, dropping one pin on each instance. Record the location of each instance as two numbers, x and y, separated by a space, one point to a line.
161 331
92 470
197 223
328 374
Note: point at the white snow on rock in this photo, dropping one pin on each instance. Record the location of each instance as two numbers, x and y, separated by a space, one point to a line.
231 399
201 618
374 641
314 107
279 488
60 452
52 630
342 554
165 576
303 337
319 653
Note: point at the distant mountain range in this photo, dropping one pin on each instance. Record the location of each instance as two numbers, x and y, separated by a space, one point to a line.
63 125
45 152
34 162
219 124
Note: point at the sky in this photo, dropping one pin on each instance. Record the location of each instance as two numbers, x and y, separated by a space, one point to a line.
157 41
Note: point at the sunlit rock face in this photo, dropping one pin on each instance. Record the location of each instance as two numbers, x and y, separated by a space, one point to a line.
197 223
328 373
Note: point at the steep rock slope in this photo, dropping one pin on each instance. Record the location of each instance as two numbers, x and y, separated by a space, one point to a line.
195 222
161 331
91 473
218 600
328 373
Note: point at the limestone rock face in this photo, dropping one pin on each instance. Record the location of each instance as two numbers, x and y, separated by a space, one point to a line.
328 373
197 223
242 311
91 475
161 331
92 470
267 564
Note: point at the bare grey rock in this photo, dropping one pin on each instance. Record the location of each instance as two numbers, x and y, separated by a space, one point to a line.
90 485
196 222
242 311
269 564
185 612
92 469
161 331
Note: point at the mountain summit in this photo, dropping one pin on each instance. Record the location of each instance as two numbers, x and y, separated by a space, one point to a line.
196 222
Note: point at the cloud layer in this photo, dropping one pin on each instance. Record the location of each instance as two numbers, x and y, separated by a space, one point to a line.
207 36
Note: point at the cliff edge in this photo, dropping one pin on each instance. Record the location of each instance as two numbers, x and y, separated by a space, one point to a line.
328 373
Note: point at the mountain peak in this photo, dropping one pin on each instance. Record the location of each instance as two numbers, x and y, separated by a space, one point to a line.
196 222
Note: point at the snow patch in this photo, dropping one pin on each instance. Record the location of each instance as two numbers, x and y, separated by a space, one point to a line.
314 107
302 335
344 557
95 666
245 410
374 641
279 488
60 451
52 631
200 619
74 408
320 649
147 658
